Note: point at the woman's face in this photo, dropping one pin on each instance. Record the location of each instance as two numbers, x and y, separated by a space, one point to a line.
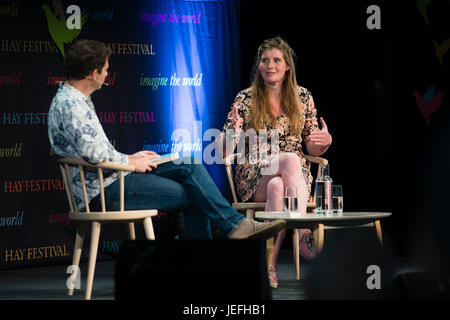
273 66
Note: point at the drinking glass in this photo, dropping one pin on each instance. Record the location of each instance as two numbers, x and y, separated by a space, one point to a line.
338 199
290 199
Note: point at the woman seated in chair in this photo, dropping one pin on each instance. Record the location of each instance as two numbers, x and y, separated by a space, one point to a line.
287 115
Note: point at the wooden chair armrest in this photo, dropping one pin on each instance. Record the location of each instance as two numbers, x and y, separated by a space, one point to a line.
104 165
228 160
317 160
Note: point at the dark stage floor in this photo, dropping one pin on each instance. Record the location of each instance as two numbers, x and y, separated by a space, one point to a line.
49 283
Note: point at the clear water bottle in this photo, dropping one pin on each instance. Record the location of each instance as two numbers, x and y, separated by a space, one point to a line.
323 191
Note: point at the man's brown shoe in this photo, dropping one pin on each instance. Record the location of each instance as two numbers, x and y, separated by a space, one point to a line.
251 229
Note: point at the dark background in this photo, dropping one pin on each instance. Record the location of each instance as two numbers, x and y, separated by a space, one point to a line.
362 82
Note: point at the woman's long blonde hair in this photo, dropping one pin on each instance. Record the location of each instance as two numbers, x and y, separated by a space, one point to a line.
260 113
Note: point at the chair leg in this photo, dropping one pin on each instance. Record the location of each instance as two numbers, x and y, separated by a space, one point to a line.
270 246
250 214
148 228
378 228
318 233
95 236
131 231
296 247
81 231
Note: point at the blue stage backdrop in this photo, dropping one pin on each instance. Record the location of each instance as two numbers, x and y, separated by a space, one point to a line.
173 75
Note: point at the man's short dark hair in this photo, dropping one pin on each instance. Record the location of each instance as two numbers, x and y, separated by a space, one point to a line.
84 56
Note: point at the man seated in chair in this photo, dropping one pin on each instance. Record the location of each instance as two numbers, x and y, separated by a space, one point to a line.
75 131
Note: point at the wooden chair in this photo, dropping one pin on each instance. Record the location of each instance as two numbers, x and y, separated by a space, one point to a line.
249 209
246 208
98 218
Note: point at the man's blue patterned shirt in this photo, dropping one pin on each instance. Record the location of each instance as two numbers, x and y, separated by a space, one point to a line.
74 130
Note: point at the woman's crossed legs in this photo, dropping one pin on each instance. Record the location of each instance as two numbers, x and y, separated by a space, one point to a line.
284 171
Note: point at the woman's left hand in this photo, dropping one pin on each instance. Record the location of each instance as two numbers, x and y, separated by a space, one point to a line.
321 138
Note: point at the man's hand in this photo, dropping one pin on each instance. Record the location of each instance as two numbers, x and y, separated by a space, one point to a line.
141 161
144 154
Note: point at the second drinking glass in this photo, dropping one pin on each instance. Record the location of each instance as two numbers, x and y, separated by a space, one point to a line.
290 199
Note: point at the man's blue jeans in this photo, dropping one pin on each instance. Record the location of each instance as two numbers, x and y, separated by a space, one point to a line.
174 187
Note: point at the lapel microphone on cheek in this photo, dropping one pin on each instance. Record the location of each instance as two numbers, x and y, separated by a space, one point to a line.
102 83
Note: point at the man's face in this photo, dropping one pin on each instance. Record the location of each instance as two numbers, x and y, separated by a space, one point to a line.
99 77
